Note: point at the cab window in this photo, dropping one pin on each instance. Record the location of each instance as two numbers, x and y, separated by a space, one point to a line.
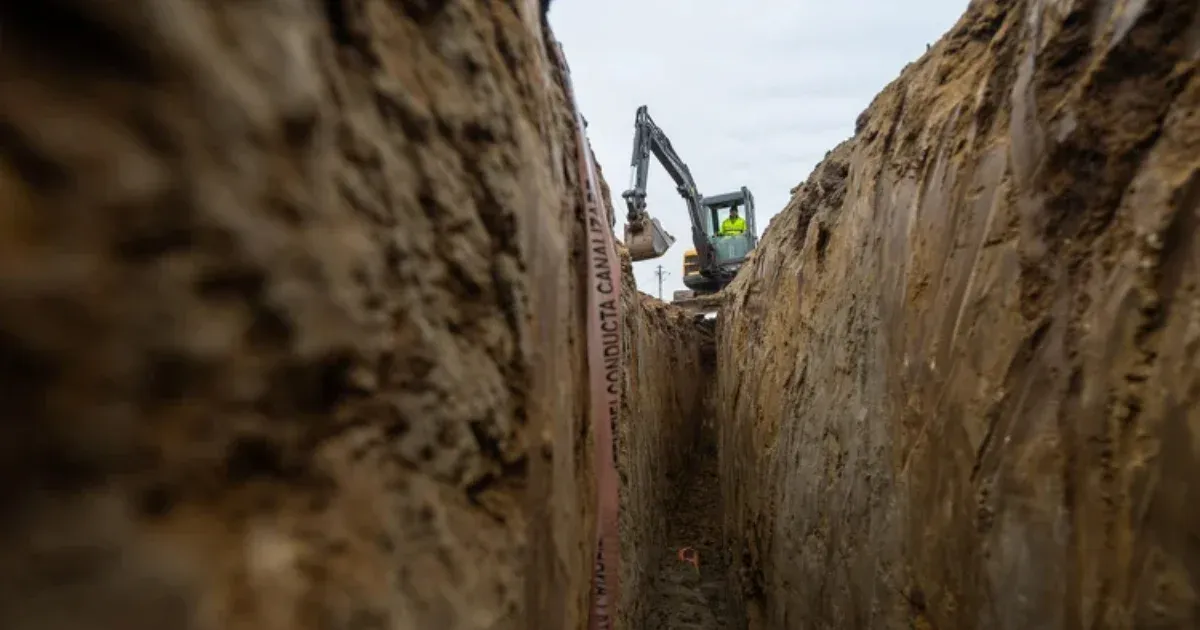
720 214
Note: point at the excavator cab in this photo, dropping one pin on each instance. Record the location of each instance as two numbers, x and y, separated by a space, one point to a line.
730 250
723 252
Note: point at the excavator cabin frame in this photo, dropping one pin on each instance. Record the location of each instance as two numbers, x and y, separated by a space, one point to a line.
727 253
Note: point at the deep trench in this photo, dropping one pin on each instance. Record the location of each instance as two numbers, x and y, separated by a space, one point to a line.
685 583
291 309
686 595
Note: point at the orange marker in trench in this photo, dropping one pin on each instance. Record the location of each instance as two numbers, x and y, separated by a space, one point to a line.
690 556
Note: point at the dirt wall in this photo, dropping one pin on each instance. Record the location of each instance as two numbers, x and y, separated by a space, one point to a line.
668 378
958 384
290 318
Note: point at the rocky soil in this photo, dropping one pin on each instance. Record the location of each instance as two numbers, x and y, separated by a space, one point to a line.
959 387
292 299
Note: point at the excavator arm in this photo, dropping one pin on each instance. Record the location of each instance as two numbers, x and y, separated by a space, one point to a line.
645 236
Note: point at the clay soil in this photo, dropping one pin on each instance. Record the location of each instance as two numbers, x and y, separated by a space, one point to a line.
683 598
959 384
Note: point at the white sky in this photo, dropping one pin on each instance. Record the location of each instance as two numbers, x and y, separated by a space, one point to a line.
751 92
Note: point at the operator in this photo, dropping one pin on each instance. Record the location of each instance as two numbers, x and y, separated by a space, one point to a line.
733 225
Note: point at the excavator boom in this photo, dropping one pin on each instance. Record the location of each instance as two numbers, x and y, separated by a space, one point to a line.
644 235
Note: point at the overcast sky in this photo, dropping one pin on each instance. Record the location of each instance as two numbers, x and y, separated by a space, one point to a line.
751 92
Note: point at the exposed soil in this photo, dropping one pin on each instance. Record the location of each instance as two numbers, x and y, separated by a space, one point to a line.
291 335
959 384
683 597
289 297
664 422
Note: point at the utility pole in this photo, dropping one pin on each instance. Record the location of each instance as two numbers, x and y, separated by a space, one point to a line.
660 273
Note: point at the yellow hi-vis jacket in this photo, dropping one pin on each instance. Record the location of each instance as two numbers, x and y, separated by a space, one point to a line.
732 226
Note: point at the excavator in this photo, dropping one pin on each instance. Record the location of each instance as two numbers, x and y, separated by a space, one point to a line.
716 256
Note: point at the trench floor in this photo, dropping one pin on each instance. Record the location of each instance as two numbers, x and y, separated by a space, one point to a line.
684 599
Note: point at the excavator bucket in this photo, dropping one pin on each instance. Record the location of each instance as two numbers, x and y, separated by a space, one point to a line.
647 239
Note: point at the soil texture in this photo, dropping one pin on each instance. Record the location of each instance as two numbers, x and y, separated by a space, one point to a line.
959 384
292 309
687 595
289 305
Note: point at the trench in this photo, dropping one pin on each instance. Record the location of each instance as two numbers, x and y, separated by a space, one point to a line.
688 595
677 573
670 444
294 313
